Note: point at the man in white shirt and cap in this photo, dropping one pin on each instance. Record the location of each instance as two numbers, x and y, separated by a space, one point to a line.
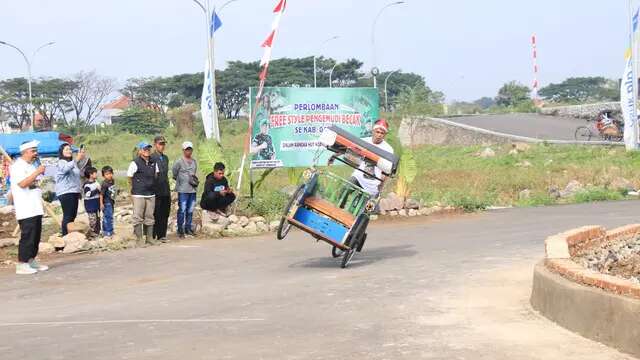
368 183
27 199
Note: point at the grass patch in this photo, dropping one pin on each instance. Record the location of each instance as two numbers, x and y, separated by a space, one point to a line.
597 194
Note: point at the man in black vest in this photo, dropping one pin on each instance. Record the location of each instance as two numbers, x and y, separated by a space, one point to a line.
142 175
163 193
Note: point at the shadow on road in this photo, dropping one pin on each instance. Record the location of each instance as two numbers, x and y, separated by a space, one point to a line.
366 257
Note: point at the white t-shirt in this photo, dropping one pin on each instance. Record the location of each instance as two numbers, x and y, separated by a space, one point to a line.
368 183
132 170
28 201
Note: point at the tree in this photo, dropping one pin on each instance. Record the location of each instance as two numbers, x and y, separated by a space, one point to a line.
51 100
582 89
154 92
513 94
87 96
14 100
485 102
138 120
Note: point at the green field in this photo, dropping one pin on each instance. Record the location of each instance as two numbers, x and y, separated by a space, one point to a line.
448 175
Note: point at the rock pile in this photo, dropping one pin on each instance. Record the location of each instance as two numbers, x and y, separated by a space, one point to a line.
393 205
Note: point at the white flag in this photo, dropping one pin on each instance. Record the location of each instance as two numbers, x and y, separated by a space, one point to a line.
628 104
206 103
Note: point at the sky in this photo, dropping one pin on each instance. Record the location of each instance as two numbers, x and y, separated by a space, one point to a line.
465 48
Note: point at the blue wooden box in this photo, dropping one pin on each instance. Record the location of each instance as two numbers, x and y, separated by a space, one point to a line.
325 226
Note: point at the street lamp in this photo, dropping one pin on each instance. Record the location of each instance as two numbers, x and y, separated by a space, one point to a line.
29 62
386 96
374 70
331 74
208 9
315 77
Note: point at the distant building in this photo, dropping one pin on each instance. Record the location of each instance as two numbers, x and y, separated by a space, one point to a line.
113 109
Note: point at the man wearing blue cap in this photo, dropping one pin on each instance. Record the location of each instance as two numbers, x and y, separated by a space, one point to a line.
142 174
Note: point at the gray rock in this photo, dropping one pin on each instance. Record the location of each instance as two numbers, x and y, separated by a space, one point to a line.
213 230
257 219
513 152
524 194
393 213
233 230
224 221
6 210
46 248
573 187
412 204
622 184
391 202
234 219
8 242
262 227
413 212
251 229
521 147
402 212
243 221
554 192
78 226
74 242
425 211
273 226
487 153
5 224
525 164
56 241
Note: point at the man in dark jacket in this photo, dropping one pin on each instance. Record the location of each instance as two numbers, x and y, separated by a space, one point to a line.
163 193
142 175
217 194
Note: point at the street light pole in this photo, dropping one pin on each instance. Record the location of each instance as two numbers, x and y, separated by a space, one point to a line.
373 39
331 74
29 75
315 77
386 96
208 8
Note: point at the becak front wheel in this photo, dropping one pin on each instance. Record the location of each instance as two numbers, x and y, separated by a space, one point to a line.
285 225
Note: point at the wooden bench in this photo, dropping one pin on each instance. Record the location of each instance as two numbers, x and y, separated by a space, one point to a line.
330 210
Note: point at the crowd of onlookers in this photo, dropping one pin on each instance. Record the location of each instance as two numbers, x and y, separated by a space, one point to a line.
76 179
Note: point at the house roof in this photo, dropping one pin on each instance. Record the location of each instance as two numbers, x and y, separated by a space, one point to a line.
120 103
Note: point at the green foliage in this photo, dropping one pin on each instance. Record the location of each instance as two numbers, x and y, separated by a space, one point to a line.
512 94
582 89
406 174
468 203
137 120
269 204
419 100
592 194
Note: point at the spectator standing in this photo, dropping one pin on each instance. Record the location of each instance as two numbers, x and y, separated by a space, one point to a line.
184 172
163 193
27 198
91 193
108 193
142 175
68 183
217 194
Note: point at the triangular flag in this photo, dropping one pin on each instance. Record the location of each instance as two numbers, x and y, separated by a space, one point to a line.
216 23
269 40
280 7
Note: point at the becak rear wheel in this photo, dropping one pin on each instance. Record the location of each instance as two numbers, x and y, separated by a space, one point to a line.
285 225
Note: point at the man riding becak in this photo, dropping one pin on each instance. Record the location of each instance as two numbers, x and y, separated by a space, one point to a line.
360 177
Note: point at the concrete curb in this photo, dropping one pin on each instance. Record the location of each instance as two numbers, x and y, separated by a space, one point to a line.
598 306
522 138
597 315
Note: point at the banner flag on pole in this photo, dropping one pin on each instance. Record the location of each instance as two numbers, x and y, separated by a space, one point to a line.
264 63
206 102
629 90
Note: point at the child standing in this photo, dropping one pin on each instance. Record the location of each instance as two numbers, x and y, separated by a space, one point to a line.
107 200
91 192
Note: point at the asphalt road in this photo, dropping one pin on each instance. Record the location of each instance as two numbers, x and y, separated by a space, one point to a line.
449 288
531 125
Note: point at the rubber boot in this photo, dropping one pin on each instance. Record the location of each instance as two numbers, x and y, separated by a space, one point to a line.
137 231
149 233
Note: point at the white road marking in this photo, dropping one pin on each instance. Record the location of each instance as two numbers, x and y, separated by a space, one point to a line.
132 321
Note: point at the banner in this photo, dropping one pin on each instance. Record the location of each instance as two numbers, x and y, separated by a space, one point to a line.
289 121
206 103
628 104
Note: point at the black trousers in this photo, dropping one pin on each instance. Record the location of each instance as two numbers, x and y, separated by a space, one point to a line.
30 232
69 203
161 216
217 203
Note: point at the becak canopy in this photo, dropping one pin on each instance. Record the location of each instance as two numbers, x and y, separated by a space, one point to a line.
50 141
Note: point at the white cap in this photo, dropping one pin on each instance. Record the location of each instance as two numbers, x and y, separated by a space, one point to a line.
29 145
186 145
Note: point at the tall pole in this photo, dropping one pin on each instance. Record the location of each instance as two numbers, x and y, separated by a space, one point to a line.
331 74
29 74
374 69
634 53
315 77
386 95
